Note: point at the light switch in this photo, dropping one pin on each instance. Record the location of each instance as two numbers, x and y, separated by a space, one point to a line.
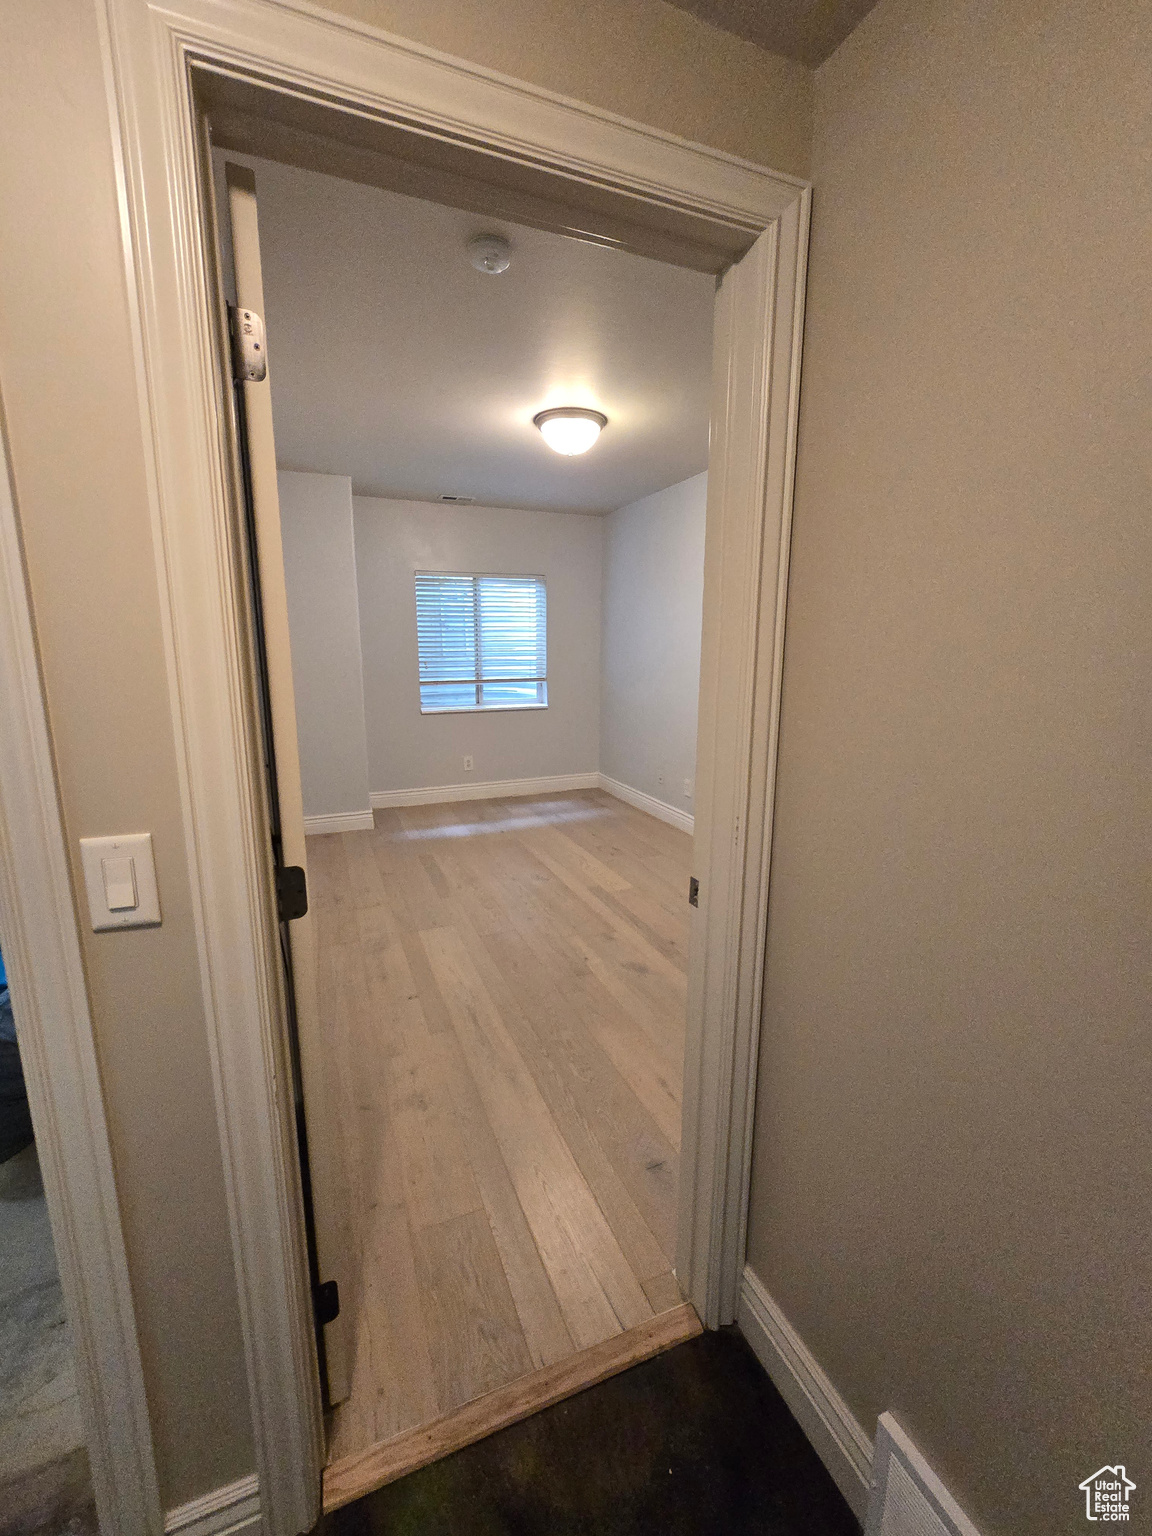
120 879
119 884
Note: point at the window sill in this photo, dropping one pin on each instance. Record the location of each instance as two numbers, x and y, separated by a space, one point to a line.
483 709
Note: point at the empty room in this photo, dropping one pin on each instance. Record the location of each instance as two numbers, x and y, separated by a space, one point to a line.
491 471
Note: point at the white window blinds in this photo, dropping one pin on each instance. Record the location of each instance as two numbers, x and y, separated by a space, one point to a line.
482 640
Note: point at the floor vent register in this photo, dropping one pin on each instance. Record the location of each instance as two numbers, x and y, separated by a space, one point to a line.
907 1497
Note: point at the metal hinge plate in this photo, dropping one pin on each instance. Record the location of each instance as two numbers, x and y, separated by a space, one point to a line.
249 352
291 892
327 1302
693 891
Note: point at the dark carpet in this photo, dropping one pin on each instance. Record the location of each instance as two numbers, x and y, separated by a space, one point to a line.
696 1442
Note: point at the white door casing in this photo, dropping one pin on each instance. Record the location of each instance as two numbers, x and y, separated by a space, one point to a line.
151 51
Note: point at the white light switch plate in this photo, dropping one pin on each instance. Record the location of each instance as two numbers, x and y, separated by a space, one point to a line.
120 878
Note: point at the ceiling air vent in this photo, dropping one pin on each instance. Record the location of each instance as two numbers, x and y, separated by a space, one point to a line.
458 501
908 1499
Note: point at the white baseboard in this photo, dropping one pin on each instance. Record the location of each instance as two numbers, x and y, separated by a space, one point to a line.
227 1511
649 803
818 1408
443 794
339 821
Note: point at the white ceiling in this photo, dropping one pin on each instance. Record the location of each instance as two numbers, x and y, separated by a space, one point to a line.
393 361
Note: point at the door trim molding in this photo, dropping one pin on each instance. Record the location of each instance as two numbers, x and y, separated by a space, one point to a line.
151 48
226 1511
58 1054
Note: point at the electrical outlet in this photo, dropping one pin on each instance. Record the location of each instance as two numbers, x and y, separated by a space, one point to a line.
660 780
468 764
687 789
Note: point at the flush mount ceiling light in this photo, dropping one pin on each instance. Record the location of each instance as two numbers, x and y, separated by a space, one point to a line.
570 429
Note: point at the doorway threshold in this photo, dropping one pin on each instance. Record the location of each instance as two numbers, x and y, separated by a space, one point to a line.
361 1473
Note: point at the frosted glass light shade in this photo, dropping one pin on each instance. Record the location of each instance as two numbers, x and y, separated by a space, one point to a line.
570 429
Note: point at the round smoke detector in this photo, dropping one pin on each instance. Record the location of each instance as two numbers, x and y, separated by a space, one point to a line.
490 253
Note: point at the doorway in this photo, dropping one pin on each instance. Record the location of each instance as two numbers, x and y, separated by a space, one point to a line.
490 982
750 225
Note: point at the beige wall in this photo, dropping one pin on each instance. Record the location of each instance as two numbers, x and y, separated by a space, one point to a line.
69 390
953 1170
640 58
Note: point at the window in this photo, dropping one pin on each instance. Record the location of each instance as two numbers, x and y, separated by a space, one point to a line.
483 641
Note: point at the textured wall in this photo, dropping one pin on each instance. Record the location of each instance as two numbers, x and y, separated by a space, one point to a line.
639 58
952 1166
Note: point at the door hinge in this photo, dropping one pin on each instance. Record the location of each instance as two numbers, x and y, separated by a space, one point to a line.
249 353
327 1302
291 892
693 891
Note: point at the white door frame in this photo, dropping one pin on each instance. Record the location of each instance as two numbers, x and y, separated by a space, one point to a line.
150 49
57 1052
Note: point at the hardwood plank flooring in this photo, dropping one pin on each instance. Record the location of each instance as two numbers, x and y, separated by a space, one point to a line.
504 986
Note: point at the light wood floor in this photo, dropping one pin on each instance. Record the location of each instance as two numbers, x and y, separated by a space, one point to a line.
504 981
